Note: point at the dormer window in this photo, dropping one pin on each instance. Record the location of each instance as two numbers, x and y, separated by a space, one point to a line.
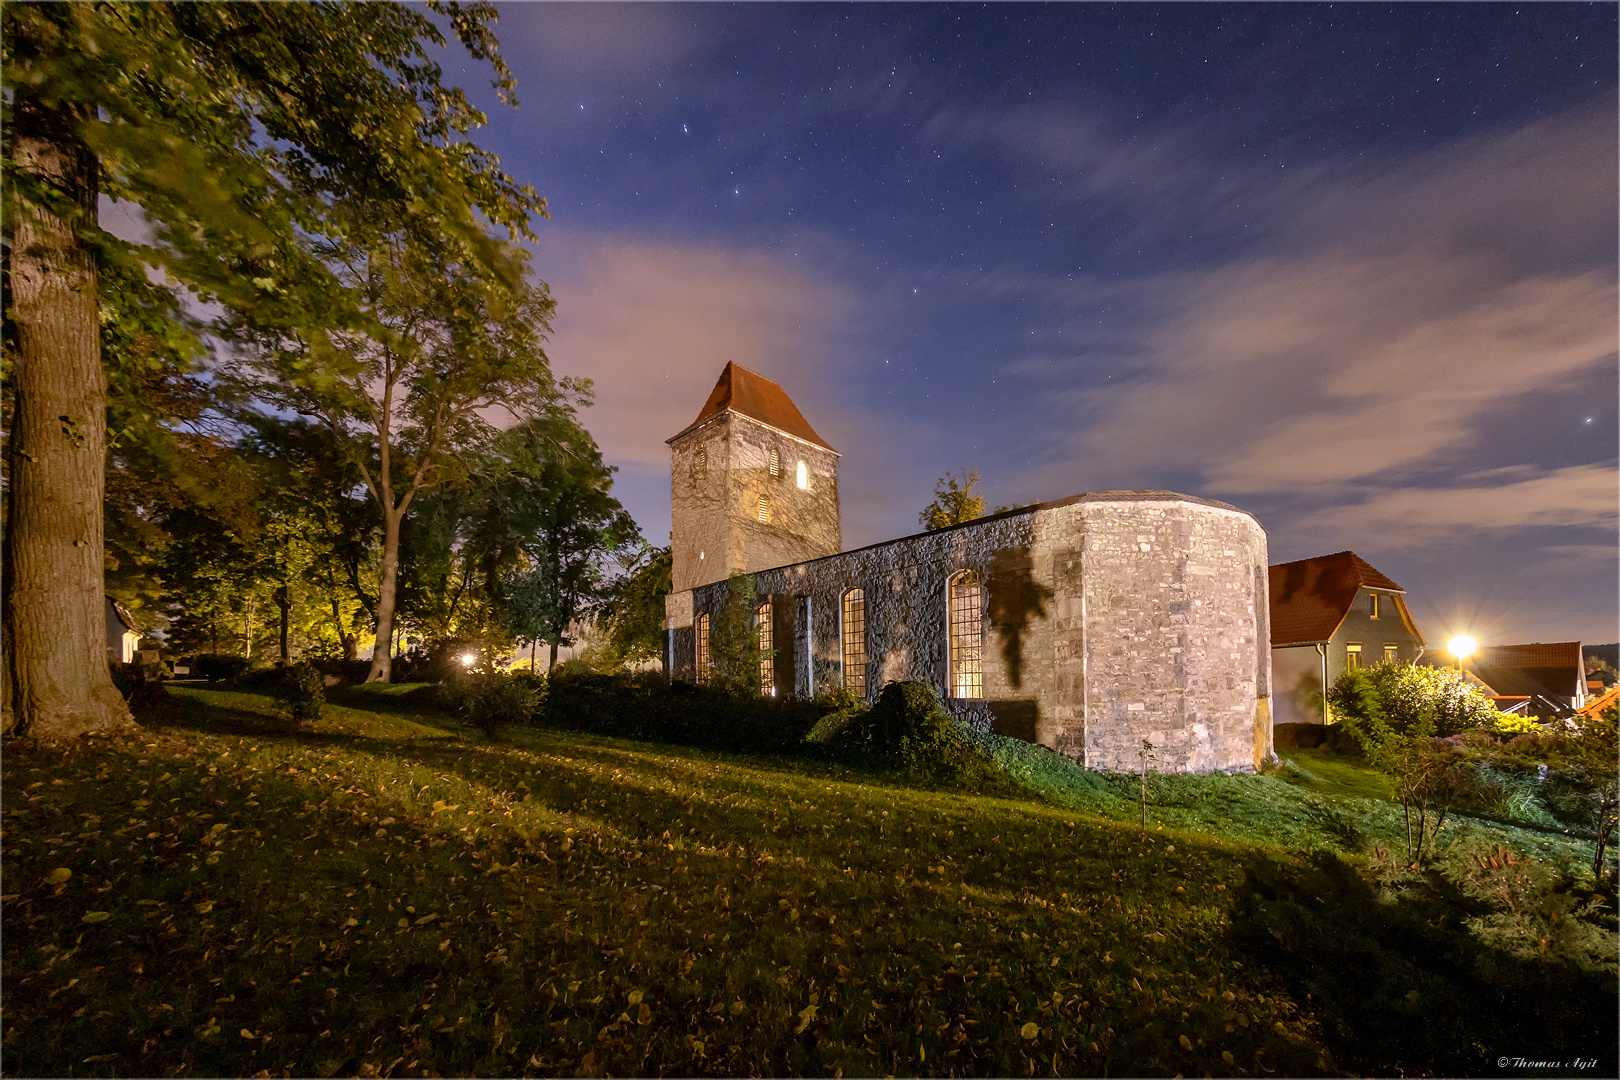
804 477
1375 605
776 466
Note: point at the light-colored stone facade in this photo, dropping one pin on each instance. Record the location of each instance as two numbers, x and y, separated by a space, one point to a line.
719 471
1107 619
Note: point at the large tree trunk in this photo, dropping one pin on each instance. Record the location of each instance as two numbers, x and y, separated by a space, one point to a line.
382 652
57 684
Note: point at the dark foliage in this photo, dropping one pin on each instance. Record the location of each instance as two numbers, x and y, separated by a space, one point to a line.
1403 987
219 666
347 672
491 700
142 686
434 661
909 731
647 706
303 692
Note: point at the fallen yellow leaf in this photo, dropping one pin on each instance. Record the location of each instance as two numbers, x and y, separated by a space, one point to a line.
96 916
59 875
1030 1030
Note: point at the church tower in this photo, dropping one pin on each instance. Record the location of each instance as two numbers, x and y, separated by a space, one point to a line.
752 485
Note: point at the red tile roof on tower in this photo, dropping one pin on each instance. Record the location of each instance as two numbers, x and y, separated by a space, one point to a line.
1311 597
755 396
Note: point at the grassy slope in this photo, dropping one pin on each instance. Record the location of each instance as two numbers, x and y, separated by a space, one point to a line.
391 893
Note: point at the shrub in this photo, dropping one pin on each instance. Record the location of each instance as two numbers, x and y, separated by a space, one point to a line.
141 686
909 731
491 700
504 699
303 692
347 672
1533 914
220 666
645 705
1407 697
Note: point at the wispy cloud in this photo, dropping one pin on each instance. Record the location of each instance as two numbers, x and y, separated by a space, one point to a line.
1368 346
1581 496
652 324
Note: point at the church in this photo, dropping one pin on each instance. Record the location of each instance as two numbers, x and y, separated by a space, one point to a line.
1087 625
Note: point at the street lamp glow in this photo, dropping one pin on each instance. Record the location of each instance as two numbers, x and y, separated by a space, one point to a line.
468 659
1461 646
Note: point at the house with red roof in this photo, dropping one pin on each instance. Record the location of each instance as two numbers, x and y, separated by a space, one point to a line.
1330 614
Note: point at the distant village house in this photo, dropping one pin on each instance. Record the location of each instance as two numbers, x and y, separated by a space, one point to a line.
1329 615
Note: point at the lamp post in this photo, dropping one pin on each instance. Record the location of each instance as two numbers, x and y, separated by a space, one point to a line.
1462 647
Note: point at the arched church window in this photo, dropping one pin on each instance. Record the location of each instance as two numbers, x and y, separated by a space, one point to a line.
854 636
764 510
776 465
966 635
804 477
767 661
703 648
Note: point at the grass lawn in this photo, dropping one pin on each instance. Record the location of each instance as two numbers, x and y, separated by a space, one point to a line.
388 893
1330 773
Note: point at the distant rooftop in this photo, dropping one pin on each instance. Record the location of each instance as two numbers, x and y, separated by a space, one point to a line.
755 396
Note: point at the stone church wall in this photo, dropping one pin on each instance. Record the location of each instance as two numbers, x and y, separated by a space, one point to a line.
1108 619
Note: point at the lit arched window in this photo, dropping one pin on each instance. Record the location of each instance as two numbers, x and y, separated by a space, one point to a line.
804 477
703 648
764 508
767 662
855 642
776 465
966 636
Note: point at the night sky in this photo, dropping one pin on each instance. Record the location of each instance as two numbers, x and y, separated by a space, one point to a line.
1351 268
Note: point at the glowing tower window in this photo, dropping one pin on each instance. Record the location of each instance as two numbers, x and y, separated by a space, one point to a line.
804 477
764 510
776 466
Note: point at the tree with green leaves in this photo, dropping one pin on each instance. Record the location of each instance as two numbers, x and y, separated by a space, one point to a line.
560 491
631 613
1401 716
445 340
256 139
955 501
1591 755
734 648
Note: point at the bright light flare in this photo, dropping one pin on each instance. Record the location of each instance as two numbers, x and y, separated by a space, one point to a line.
1462 646
469 659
